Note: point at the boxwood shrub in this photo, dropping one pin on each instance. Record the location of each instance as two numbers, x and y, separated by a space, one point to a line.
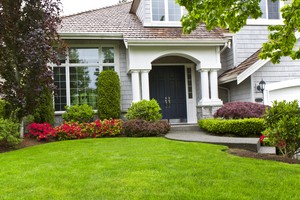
240 110
148 110
143 128
79 113
238 127
109 95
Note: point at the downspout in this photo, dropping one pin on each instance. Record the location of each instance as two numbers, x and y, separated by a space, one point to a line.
227 44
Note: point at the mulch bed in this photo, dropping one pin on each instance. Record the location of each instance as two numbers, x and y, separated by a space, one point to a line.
251 154
27 142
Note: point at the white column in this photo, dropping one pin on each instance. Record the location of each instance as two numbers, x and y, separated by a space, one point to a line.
145 84
204 87
136 89
214 88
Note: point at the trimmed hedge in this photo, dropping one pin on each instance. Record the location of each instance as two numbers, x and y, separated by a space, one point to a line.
109 95
241 110
143 128
238 127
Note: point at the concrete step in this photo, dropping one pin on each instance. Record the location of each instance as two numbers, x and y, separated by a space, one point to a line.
267 150
184 127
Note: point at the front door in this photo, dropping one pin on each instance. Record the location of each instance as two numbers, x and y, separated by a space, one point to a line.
167 86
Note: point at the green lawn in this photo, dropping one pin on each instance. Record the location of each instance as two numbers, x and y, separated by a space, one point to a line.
141 168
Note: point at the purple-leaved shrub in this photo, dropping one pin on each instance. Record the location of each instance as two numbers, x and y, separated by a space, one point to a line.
241 110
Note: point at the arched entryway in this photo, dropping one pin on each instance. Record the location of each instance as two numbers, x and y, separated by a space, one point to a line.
171 84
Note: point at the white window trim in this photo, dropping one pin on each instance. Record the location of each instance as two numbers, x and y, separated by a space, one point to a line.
267 21
165 23
98 65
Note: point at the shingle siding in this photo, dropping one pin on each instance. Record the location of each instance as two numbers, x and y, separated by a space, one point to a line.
140 11
226 60
239 92
125 78
248 40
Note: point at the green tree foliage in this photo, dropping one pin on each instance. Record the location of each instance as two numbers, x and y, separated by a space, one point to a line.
109 95
27 36
233 14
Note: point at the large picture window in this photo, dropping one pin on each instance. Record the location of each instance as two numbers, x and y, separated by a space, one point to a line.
165 10
76 77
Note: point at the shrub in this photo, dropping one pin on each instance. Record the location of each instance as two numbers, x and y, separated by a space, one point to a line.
240 110
68 131
283 126
4 109
143 128
44 111
9 132
79 113
98 128
146 110
109 95
238 127
42 131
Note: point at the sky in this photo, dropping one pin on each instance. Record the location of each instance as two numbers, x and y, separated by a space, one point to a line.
75 6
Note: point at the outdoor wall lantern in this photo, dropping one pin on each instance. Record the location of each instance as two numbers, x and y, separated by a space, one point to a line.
261 86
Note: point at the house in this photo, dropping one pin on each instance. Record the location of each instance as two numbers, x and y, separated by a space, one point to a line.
189 75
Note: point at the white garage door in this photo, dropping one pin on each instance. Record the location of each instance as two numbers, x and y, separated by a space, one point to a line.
285 90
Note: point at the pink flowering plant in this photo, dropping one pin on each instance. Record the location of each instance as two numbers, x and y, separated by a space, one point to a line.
42 131
98 128
69 130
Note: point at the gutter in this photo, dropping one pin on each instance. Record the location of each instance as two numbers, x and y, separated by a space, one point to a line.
175 42
91 35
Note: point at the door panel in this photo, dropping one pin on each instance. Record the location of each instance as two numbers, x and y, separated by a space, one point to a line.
167 83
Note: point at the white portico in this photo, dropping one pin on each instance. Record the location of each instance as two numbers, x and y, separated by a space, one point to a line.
200 65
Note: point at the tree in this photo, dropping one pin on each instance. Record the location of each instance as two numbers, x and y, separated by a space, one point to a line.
28 34
123 1
233 14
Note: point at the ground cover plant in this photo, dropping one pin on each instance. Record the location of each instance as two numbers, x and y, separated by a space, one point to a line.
141 168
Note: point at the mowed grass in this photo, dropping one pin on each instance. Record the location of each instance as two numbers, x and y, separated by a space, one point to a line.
141 168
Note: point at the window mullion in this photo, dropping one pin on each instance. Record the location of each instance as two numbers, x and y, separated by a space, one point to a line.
166 10
267 10
68 90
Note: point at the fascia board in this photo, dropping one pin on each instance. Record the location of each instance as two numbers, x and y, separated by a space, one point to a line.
253 68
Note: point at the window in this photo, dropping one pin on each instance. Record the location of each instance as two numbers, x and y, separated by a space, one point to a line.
270 9
76 77
165 10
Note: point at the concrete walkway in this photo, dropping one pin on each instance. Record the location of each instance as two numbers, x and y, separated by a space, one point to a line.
251 144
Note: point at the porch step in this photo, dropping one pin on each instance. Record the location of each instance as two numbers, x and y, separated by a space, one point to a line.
267 150
184 127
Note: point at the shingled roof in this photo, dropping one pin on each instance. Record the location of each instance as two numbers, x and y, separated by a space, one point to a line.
232 74
118 19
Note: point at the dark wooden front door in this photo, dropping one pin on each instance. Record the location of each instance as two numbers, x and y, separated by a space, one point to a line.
167 86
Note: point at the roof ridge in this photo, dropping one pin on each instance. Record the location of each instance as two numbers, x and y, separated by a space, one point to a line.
96 9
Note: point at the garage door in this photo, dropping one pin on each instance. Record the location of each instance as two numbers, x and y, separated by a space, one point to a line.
285 90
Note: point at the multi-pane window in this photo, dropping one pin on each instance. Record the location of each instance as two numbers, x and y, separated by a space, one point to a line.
270 9
76 77
165 10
